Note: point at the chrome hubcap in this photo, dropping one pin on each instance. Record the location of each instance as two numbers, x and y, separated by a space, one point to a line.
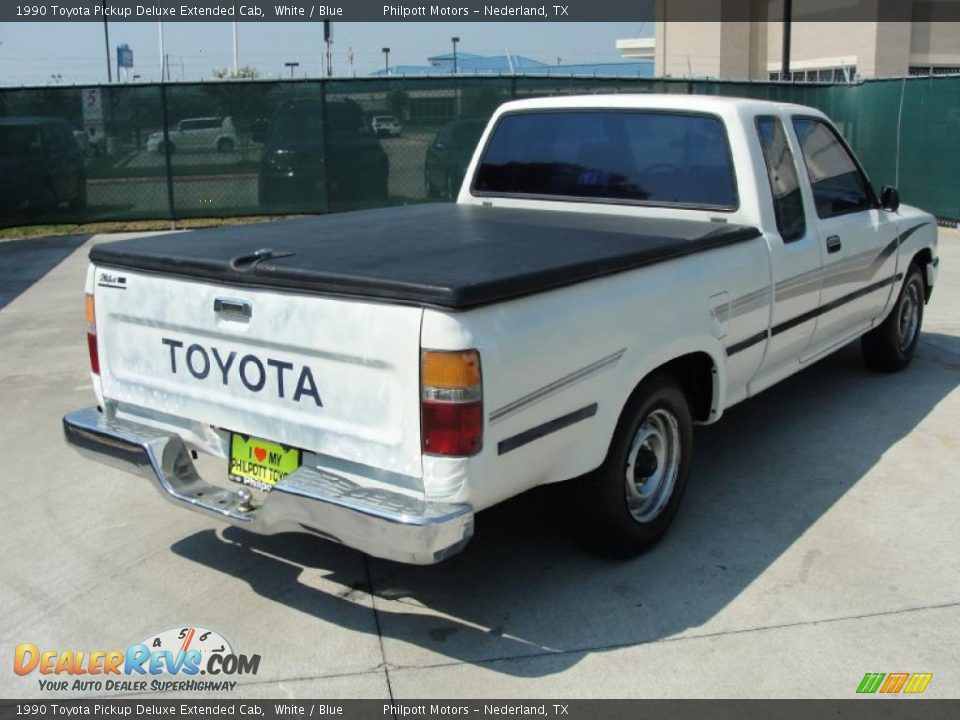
653 464
909 316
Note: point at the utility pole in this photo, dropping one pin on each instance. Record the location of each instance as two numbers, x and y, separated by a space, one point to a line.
386 60
292 65
328 40
235 52
787 31
455 40
106 45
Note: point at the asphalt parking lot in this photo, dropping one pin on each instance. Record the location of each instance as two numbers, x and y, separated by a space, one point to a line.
819 540
229 185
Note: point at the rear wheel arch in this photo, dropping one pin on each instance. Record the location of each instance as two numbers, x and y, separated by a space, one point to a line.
698 376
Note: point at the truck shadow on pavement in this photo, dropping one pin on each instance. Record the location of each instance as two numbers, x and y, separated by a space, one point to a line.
524 589
25 262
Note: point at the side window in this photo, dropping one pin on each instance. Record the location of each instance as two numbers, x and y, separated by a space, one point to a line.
784 183
838 185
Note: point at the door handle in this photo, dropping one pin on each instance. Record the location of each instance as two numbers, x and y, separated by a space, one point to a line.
834 244
234 308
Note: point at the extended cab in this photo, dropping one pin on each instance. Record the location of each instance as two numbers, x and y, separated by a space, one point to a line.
616 270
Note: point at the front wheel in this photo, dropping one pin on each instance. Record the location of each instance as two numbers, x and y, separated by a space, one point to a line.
890 346
627 504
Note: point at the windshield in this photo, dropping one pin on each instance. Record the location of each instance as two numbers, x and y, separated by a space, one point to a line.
301 121
654 158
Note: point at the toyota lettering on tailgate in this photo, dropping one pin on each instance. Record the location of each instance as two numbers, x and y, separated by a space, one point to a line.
251 370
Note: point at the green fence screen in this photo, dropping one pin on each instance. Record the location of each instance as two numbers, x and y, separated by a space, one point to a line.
83 154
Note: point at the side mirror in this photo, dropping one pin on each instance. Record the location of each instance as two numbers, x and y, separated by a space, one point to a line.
890 199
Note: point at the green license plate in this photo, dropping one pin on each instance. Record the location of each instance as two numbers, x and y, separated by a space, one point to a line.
260 463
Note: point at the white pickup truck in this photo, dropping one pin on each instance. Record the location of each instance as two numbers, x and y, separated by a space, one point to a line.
616 270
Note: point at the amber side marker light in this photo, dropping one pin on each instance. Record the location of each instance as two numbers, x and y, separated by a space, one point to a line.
451 402
90 310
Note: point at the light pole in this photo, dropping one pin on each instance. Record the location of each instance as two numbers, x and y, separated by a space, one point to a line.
163 57
386 60
236 53
328 41
292 65
787 32
454 40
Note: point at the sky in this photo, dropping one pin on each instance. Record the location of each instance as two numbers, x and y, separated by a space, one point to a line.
74 53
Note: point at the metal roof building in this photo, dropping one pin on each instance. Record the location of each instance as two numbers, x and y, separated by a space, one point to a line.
470 64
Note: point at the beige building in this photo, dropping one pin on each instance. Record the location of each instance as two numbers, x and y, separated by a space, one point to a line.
820 49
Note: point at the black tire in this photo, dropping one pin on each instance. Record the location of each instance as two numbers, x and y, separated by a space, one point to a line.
607 523
890 346
224 145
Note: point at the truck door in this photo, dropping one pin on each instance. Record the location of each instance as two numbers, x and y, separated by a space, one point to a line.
795 253
857 239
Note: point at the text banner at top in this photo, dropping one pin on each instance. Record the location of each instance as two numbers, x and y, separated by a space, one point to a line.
478 11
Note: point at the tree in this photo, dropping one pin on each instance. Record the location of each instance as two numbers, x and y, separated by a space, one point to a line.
242 73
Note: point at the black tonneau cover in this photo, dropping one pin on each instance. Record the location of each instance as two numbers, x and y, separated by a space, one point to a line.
445 255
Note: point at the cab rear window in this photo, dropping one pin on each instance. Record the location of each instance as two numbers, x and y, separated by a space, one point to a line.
653 158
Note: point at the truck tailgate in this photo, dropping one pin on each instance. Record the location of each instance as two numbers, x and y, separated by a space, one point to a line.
329 375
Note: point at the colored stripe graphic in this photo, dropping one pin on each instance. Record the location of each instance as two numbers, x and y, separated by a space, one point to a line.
870 682
894 683
918 682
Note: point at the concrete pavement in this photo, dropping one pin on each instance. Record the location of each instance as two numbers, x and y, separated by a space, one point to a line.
818 541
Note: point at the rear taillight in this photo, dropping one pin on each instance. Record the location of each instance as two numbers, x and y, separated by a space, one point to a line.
451 405
91 315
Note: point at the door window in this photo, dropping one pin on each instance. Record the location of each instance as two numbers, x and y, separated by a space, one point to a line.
784 183
839 186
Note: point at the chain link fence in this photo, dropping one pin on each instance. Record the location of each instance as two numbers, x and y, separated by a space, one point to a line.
183 150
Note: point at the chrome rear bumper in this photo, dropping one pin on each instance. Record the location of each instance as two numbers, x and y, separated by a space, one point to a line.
380 523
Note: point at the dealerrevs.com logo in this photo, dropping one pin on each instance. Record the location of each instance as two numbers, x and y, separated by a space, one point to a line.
172 660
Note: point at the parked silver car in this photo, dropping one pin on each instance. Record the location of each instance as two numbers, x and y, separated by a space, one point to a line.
205 134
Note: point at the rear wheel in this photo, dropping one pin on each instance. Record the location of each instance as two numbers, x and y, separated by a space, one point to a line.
890 346
627 504
225 145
